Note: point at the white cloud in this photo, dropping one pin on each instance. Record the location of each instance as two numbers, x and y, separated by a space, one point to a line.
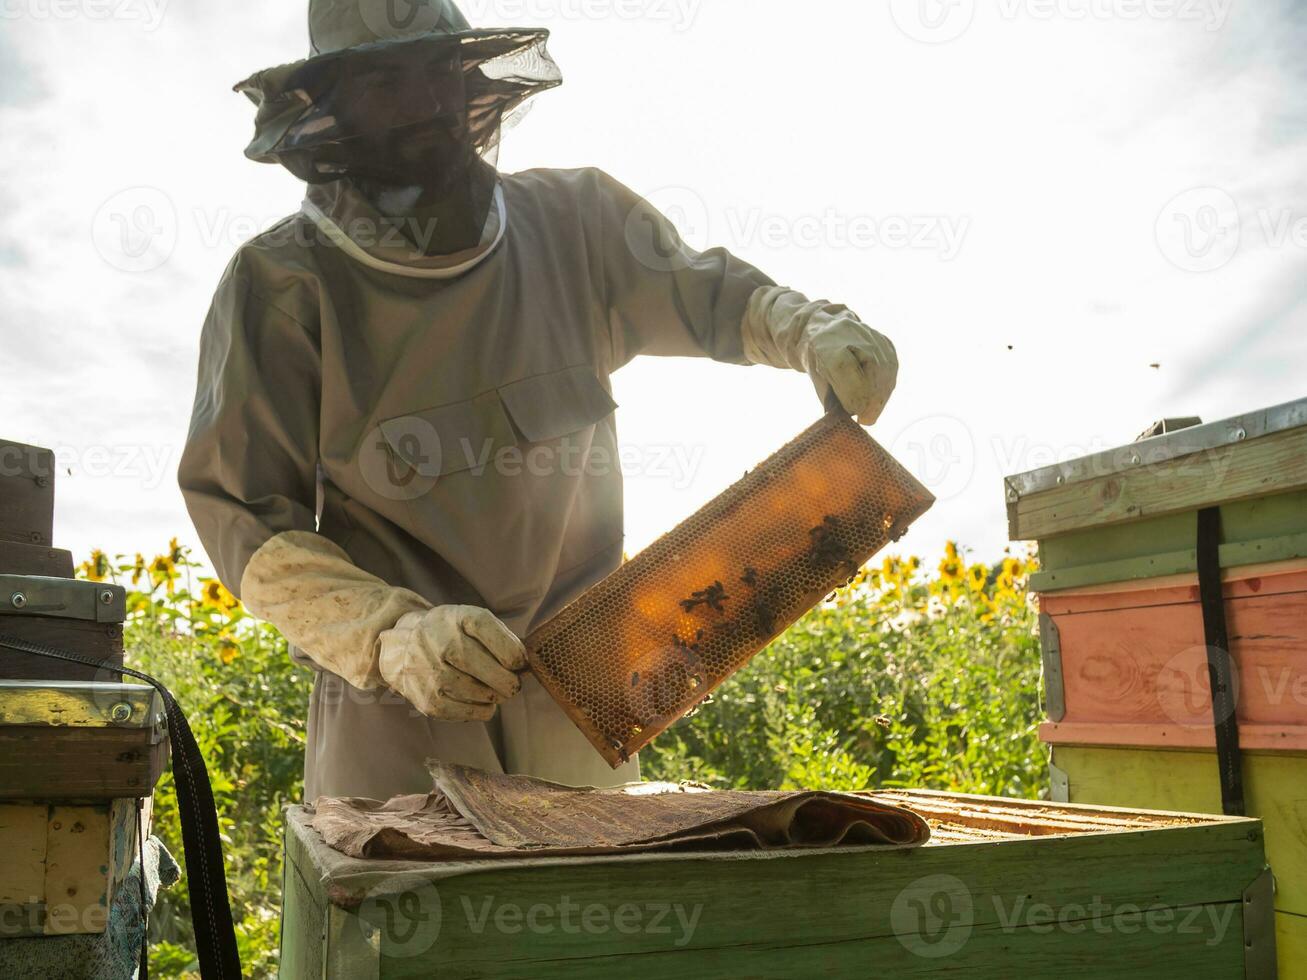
1058 142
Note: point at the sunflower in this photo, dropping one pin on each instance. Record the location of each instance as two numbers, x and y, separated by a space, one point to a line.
950 569
216 596
977 578
228 649
95 568
139 569
163 571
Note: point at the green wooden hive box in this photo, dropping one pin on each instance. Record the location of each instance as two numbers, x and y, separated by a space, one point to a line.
1004 889
1130 636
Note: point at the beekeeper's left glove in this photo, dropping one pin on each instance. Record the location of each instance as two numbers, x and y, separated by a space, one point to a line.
452 663
839 352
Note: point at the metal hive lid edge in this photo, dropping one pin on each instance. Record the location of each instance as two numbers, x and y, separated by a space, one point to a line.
1160 449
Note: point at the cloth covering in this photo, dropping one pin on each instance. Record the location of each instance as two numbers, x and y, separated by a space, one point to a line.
115 954
473 814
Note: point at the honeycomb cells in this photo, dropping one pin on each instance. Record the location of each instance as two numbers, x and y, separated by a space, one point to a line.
650 642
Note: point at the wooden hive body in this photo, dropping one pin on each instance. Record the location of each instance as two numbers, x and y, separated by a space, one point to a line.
1127 684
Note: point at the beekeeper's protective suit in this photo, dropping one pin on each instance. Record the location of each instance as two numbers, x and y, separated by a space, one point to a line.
403 452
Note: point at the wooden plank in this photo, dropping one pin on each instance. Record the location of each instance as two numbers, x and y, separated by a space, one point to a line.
1260 519
786 908
1134 664
77 870
1232 556
78 763
69 860
26 494
22 842
30 559
1275 787
1258 468
1291 945
96 641
303 925
1253 738
1088 949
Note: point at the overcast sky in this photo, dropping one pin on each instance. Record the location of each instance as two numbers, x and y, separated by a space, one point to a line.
1072 216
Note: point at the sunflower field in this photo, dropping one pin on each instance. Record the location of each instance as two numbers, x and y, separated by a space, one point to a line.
911 676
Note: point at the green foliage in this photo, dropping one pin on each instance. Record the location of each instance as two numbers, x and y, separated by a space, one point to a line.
898 681
247 704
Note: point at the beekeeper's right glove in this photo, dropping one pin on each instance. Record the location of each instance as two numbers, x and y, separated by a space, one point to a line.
452 663
841 354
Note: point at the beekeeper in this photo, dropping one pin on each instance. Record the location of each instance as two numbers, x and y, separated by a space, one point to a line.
403 453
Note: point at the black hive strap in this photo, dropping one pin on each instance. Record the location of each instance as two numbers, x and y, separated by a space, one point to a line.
1220 669
215 938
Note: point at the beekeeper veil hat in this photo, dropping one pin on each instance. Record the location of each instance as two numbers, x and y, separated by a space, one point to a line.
335 25
400 95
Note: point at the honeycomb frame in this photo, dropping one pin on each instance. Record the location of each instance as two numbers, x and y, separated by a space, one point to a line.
646 645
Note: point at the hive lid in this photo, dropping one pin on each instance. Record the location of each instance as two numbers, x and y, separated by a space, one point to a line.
79 704
1158 449
1249 455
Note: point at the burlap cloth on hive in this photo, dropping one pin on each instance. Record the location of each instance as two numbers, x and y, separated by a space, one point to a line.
473 814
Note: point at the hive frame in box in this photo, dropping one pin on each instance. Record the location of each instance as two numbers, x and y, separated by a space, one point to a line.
650 642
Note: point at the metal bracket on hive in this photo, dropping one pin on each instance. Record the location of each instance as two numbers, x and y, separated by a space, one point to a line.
1050 645
1259 949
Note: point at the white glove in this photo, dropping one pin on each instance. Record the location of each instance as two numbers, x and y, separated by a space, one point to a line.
840 353
452 663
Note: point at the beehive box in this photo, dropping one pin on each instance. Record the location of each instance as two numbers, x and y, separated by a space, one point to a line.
62 865
1127 688
1005 888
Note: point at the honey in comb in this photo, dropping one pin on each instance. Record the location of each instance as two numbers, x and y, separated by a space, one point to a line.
646 645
